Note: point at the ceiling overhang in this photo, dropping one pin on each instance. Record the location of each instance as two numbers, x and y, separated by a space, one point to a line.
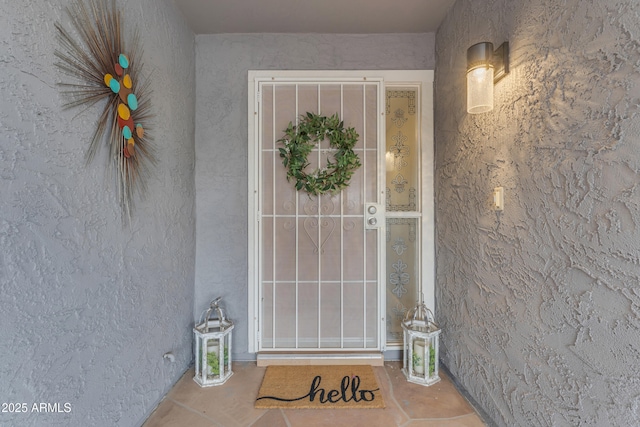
314 16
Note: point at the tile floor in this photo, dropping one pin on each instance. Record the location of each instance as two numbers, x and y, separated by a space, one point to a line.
231 405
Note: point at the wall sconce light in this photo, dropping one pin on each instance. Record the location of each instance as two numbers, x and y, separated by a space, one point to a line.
485 67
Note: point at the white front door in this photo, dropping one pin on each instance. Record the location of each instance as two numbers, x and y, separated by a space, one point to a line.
318 278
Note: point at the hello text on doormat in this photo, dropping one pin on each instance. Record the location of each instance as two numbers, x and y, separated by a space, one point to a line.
319 387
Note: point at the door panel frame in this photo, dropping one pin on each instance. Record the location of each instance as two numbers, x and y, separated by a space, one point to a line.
427 255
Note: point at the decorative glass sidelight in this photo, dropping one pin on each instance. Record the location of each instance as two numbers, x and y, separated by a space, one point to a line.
403 205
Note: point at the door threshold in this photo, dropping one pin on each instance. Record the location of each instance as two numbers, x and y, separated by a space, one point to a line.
297 359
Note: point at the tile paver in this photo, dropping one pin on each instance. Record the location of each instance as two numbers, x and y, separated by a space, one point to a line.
231 405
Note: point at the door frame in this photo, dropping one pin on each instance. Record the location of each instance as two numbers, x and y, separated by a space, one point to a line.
427 246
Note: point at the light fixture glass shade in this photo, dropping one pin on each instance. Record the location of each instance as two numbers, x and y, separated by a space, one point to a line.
480 90
485 67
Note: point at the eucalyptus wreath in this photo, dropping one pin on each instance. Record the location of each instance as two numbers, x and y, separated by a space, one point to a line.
298 142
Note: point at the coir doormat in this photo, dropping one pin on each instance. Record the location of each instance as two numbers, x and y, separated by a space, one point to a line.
317 387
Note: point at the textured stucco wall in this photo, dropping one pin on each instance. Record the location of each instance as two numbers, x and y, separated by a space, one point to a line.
540 304
221 139
87 306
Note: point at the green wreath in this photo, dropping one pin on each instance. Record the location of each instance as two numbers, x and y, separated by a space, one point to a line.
300 140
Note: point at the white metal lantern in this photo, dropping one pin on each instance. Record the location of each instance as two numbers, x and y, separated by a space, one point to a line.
213 347
420 361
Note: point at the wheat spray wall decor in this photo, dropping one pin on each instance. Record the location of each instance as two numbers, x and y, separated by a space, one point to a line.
106 70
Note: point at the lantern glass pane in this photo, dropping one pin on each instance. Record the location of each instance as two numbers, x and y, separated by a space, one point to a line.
433 357
213 358
198 353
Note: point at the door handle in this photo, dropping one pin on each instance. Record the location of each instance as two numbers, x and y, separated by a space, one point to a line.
373 216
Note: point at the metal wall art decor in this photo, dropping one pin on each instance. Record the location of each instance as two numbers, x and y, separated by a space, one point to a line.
105 69
300 140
